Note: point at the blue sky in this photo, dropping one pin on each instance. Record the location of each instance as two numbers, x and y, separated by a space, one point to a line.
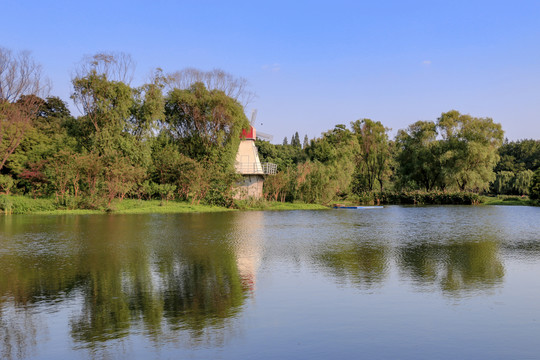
312 64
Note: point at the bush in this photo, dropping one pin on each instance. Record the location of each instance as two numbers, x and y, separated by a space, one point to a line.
24 205
418 198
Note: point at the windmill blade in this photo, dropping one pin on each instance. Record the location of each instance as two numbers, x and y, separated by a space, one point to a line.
265 136
253 117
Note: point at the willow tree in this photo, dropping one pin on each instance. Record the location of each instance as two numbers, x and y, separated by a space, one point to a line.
335 151
470 149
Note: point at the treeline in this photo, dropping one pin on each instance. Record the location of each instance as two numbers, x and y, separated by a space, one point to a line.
176 137
448 161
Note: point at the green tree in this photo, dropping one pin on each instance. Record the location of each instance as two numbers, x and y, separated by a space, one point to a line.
205 124
374 152
306 142
534 189
418 157
470 149
519 155
20 76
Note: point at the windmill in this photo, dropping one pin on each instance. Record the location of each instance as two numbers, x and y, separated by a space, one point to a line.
260 135
249 165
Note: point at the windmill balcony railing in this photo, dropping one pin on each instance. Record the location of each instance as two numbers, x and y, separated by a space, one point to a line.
256 168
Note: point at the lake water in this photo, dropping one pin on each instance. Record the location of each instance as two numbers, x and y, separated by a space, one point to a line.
442 282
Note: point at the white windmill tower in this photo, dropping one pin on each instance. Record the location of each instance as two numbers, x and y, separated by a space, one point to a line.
249 165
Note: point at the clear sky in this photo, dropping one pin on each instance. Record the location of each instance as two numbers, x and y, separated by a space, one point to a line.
312 64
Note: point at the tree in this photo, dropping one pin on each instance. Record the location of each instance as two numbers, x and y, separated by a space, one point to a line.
335 151
216 79
205 124
306 142
534 189
374 156
117 118
295 141
470 149
20 76
519 155
418 161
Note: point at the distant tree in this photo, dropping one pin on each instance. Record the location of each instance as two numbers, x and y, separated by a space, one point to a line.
285 142
306 142
519 155
296 140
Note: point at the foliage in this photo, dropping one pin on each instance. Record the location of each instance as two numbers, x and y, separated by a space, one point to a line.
373 158
24 205
424 198
470 148
519 155
206 125
534 190
6 183
418 157
138 142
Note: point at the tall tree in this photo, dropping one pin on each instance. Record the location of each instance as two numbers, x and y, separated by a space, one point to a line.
470 149
117 117
374 155
306 142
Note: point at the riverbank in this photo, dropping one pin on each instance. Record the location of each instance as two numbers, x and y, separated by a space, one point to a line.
16 204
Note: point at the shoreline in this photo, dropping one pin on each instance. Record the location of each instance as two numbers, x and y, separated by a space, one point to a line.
22 205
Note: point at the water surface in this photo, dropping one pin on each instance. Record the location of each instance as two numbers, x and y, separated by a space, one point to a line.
400 282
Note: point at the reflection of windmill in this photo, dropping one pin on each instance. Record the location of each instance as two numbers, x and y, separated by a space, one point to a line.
249 165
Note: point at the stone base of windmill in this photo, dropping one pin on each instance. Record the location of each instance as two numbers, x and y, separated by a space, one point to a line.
250 187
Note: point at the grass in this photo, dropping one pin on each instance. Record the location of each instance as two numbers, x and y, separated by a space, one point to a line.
131 206
16 204
507 200
276 205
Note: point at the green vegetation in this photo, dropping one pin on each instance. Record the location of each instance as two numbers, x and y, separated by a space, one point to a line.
173 141
507 200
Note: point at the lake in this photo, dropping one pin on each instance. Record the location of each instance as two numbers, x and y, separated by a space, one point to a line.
439 282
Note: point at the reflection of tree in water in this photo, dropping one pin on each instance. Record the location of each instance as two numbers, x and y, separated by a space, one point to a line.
361 264
171 285
31 274
18 333
454 267
178 285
